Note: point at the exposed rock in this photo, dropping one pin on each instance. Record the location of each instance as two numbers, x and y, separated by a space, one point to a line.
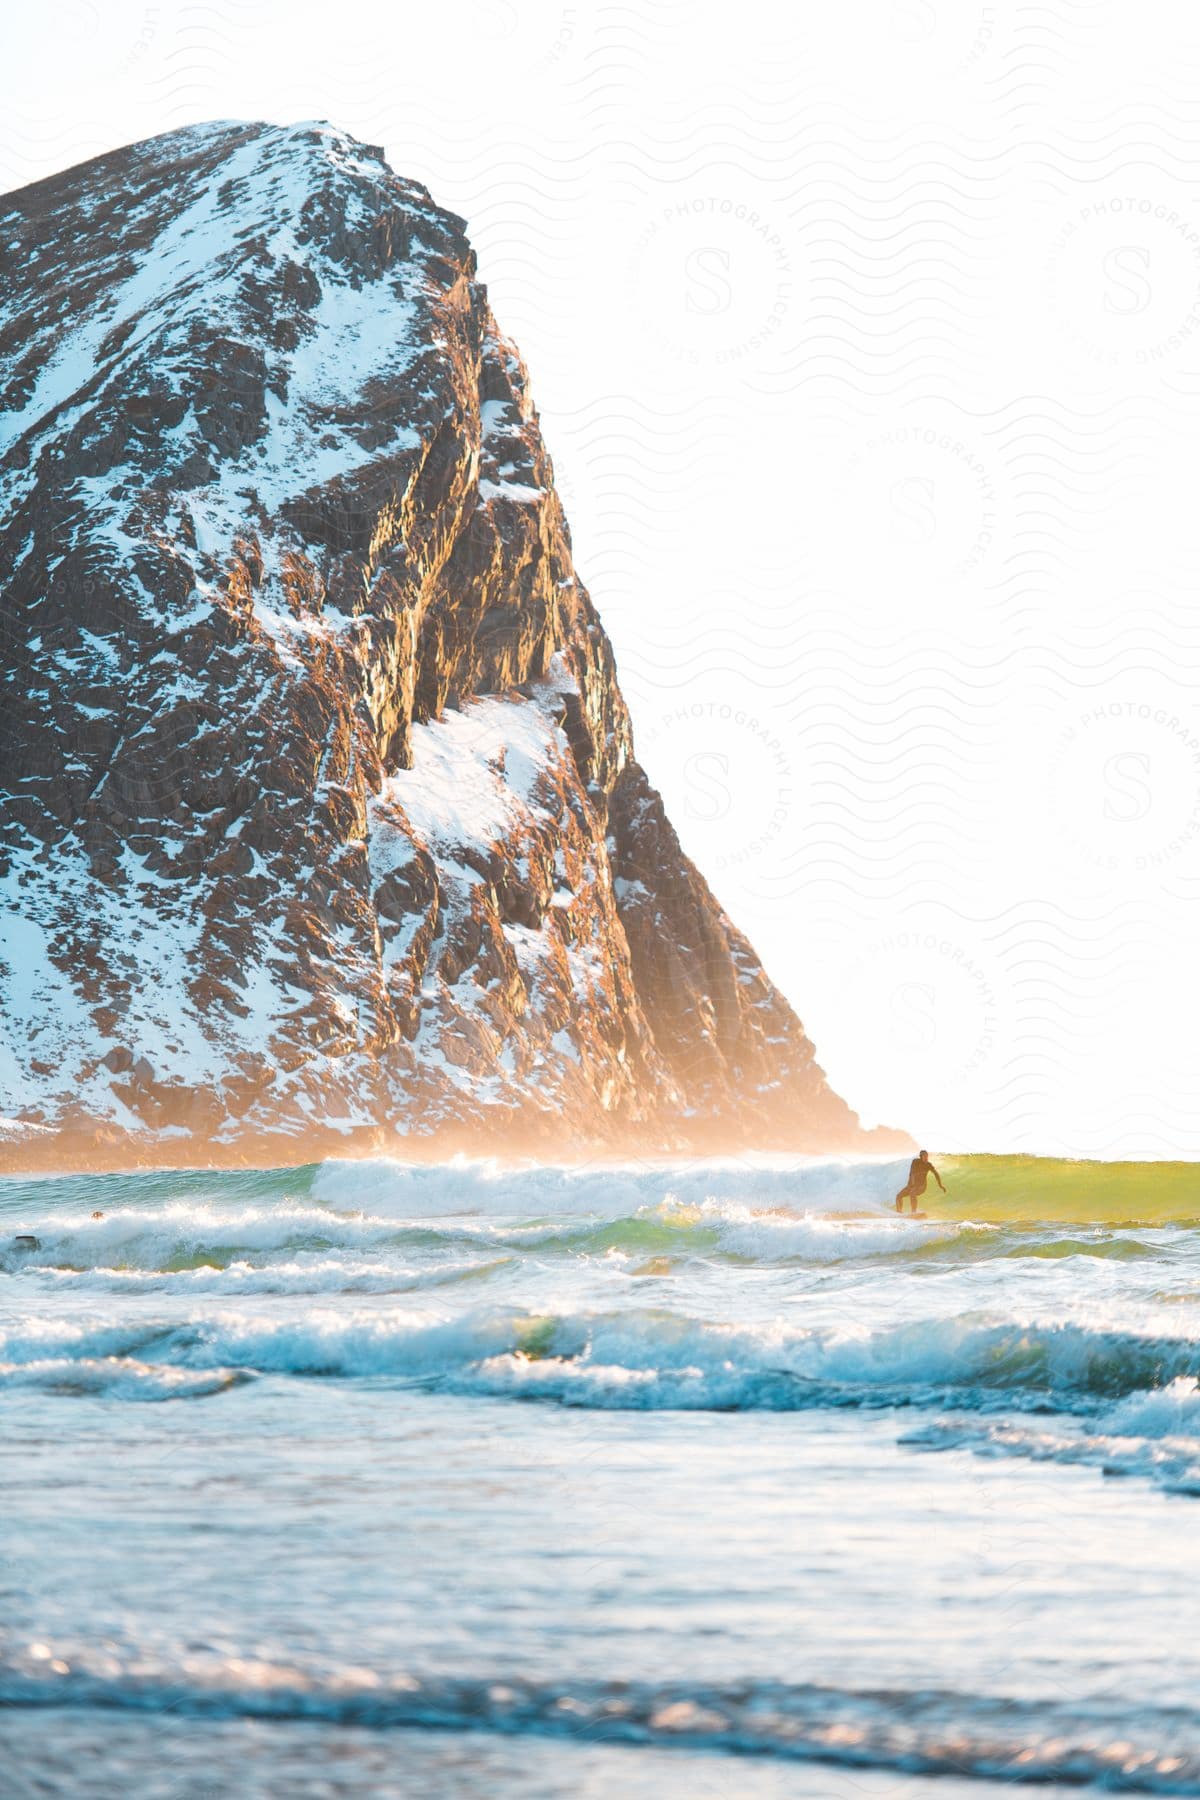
319 815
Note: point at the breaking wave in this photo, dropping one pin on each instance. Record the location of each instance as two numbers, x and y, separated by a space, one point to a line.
642 1359
301 1247
116 1377
1154 1435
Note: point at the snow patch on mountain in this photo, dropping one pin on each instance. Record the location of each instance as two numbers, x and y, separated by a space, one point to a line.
476 773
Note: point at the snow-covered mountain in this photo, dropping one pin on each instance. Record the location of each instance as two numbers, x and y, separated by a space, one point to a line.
319 813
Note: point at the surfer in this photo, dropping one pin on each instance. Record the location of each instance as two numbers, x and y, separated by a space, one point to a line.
918 1176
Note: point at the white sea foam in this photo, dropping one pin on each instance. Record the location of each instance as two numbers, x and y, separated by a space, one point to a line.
305 1275
1154 1435
1172 1411
765 1235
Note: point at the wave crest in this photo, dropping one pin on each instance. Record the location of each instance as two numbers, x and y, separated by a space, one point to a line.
648 1358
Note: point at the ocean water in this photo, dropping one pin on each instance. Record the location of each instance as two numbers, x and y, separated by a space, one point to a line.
701 1479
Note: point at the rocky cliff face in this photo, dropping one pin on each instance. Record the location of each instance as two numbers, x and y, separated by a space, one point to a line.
319 814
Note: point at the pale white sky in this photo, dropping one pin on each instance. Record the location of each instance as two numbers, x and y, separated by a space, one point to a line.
867 344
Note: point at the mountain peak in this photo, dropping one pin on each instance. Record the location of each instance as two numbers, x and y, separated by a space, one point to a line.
320 815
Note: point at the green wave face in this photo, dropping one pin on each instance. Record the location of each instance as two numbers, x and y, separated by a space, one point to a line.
1011 1189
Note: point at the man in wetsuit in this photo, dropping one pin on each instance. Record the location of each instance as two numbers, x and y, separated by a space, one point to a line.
918 1175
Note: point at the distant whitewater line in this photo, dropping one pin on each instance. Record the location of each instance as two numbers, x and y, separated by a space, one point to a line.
494 1184
984 1188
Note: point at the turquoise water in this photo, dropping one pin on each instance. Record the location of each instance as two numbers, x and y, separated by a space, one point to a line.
358 1480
